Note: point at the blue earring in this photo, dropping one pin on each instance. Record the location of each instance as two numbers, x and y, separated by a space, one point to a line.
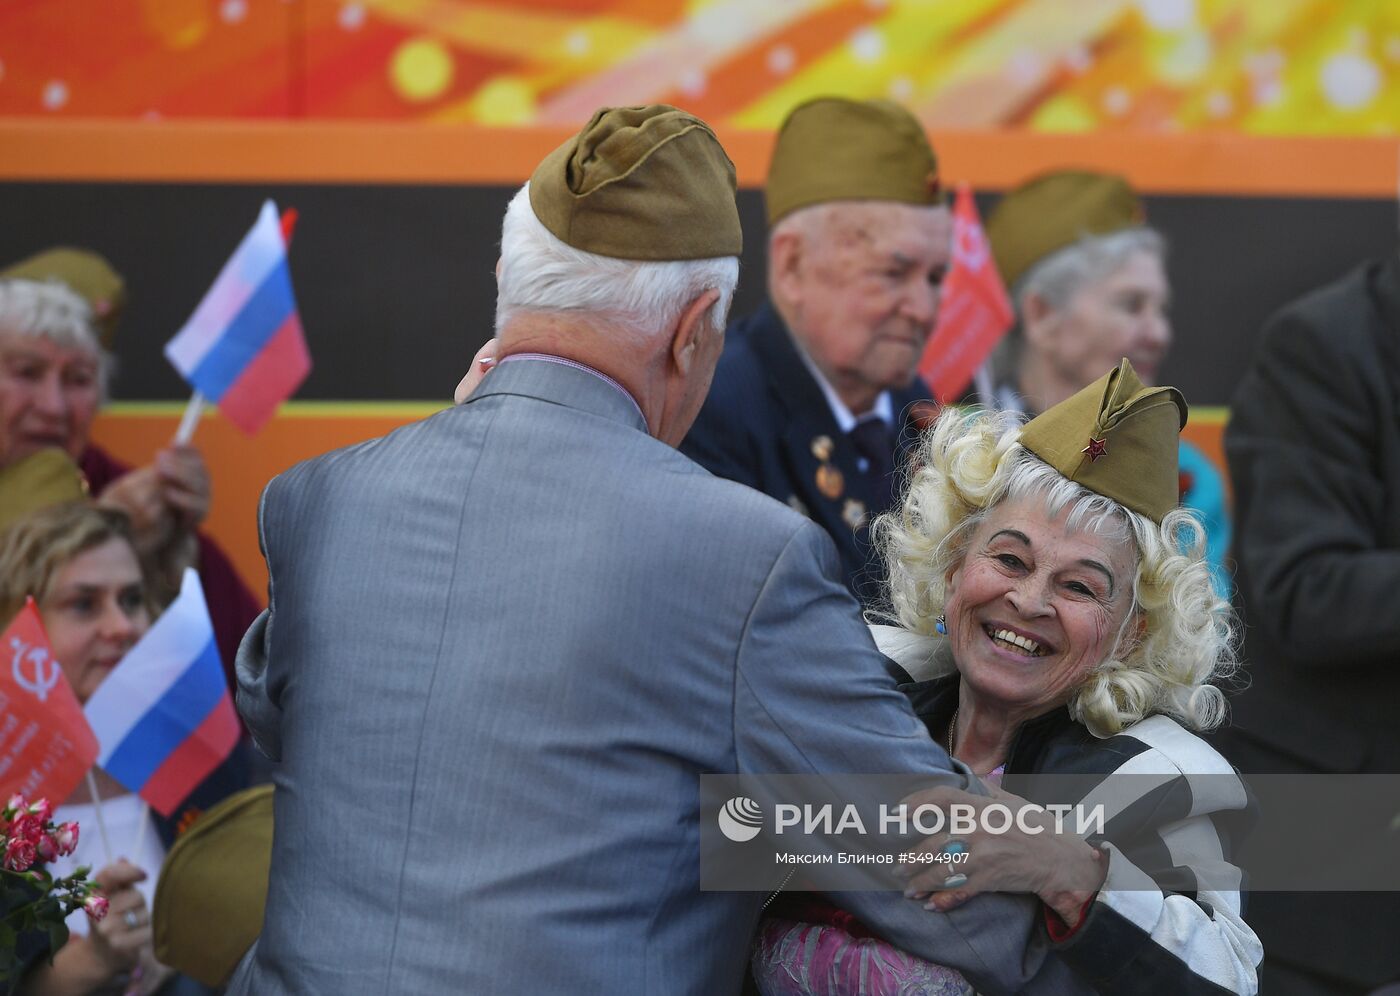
940 625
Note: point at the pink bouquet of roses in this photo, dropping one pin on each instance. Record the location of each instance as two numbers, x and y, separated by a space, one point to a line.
30 898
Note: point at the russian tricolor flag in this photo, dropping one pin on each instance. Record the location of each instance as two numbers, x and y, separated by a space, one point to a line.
164 718
243 347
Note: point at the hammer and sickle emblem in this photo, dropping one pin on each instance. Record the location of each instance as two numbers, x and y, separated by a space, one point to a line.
45 669
971 246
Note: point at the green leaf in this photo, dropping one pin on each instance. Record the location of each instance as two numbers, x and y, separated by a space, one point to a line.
58 934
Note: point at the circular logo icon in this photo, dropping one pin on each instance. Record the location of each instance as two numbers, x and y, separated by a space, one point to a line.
740 819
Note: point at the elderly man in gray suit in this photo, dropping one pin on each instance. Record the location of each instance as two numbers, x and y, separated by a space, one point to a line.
504 643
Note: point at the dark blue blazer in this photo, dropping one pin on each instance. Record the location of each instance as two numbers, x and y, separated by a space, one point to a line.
759 425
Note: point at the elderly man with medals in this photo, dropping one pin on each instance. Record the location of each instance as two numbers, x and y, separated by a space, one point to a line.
817 389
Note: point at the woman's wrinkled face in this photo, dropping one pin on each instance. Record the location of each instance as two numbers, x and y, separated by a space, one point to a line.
49 395
95 611
1124 314
1035 606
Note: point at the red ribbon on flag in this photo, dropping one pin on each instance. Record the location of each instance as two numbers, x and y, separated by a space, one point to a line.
975 311
46 744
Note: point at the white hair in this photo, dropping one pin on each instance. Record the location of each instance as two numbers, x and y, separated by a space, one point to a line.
48 309
539 274
968 464
1065 272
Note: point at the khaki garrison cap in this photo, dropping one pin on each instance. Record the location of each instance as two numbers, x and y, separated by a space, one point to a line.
1055 210
1117 438
835 149
88 275
645 183
48 477
212 889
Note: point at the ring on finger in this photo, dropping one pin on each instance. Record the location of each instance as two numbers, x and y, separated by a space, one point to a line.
132 919
953 846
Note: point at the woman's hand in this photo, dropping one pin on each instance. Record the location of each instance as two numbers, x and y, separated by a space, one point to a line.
117 947
138 494
1060 867
117 940
184 484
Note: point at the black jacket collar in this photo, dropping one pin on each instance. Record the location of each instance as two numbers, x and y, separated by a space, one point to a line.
1045 743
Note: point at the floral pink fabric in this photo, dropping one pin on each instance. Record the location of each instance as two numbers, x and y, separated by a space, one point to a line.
840 958
809 959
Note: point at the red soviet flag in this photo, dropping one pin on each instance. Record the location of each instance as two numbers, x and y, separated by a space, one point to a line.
46 745
975 312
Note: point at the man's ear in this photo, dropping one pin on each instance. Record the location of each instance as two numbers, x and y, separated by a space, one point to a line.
786 258
690 329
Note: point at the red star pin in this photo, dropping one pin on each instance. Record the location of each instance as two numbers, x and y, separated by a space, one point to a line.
1096 448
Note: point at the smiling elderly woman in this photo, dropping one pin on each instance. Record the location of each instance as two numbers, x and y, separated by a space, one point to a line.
1057 605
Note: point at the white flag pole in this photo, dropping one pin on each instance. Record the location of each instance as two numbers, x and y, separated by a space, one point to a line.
982 381
190 421
141 831
97 815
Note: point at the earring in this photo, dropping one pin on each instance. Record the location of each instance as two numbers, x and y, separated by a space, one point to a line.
940 625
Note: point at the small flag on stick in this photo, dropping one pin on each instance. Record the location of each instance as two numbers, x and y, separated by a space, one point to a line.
164 718
975 312
243 347
46 745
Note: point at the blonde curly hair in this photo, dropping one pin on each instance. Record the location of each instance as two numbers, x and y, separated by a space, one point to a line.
967 464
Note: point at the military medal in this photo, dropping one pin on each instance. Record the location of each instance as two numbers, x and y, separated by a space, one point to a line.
830 481
854 513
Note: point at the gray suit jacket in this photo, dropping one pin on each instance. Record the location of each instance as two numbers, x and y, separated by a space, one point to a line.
502 645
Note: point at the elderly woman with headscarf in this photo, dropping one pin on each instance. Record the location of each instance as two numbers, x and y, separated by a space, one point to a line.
1089 282
58 314
1055 602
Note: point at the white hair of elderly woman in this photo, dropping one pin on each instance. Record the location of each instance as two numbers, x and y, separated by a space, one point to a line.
50 310
1062 274
541 274
966 465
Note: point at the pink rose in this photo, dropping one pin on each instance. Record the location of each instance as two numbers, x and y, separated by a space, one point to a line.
16 802
66 837
95 906
19 854
28 827
42 809
47 847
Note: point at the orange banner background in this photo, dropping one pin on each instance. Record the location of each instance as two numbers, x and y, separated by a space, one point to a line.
241 466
